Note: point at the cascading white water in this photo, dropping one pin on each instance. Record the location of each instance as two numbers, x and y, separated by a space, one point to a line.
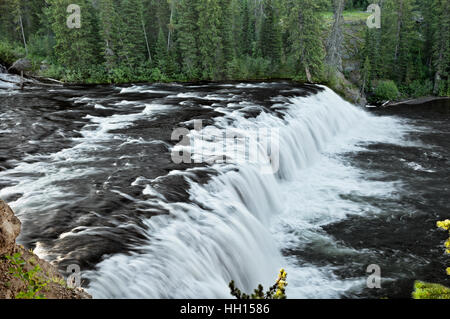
236 226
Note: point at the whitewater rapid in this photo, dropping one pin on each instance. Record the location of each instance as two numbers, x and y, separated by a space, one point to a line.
237 225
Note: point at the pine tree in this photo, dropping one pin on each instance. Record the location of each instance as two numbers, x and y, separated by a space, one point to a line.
209 40
270 39
133 47
304 25
76 48
227 55
17 12
110 32
7 28
371 50
397 38
161 51
225 39
247 29
441 47
170 25
187 35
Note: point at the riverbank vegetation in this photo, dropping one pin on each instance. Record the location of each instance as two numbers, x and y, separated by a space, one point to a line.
277 291
425 290
122 41
23 275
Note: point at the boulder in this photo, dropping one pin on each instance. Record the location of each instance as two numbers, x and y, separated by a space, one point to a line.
21 65
348 90
44 65
9 229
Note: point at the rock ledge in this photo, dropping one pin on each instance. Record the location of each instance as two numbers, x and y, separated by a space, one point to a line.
11 286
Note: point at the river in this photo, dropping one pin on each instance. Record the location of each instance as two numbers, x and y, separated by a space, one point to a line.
89 170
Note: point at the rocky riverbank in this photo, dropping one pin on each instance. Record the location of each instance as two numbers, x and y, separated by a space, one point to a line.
22 273
418 101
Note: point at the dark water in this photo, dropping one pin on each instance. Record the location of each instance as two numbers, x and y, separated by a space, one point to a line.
410 232
89 172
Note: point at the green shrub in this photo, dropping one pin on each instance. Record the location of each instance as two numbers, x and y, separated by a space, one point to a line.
425 290
97 74
40 46
258 67
74 76
7 54
386 90
237 68
119 74
419 88
330 77
444 88
31 278
54 72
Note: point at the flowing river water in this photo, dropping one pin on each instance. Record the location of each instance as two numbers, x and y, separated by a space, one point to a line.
89 172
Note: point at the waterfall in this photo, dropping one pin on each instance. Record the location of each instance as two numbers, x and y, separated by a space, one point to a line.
236 226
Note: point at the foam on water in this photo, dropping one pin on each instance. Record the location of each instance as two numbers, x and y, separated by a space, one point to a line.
36 177
236 226
142 89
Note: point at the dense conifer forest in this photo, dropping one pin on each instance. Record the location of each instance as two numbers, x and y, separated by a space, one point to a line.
120 41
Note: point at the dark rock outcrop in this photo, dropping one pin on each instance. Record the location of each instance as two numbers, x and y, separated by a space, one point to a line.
9 228
12 286
20 65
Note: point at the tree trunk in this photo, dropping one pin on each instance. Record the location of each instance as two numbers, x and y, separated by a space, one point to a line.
308 74
334 42
146 40
169 34
399 28
437 76
23 34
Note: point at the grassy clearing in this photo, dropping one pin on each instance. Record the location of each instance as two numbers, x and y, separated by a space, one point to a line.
350 16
